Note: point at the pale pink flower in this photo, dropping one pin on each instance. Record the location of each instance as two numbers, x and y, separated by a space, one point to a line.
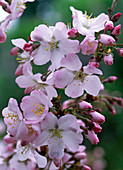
87 25
32 82
89 45
54 44
59 133
14 120
35 107
24 152
76 79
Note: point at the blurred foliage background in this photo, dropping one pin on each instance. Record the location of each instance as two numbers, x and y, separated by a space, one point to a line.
49 12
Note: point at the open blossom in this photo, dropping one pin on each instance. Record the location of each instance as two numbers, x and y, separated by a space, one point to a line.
14 119
87 25
59 133
89 45
76 79
26 152
35 107
15 10
54 44
32 82
22 57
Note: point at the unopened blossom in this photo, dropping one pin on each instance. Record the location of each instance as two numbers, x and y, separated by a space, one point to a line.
35 107
32 82
116 30
89 45
97 117
109 25
106 39
92 137
85 105
54 44
87 25
72 32
59 133
76 79
108 59
116 17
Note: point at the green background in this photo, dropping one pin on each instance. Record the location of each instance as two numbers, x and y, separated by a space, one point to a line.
50 12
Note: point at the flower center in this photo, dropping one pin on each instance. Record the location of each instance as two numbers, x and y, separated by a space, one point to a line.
13 119
20 6
38 109
56 133
80 76
52 45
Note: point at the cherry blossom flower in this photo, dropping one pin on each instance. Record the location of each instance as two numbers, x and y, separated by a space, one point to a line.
35 107
76 79
59 133
32 82
25 152
54 44
87 25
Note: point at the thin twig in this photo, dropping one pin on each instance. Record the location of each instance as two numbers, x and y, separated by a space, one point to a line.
112 9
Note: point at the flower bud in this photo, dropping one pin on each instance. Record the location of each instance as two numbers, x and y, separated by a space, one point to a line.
92 137
97 117
67 103
95 64
72 32
85 167
80 155
85 105
19 70
28 47
9 139
14 51
108 59
116 30
2 36
120 51
97 128
111 109
106 39
109 25
110 79
116 17
119 101
10 147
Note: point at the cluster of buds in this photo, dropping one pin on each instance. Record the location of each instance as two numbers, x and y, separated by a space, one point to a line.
43 132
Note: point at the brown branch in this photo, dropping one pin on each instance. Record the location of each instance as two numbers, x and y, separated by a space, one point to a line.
112 9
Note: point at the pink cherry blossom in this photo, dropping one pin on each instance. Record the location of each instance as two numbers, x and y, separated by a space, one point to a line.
32 82
35 107
87 25
54 44
76 79
59 133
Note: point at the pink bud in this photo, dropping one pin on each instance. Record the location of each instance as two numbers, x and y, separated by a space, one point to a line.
97 128
14 51
116 30
9 139
2 36
67 103
92 137
116 17
97 117
19 70
108 59
80 155
106 39
27 47
120 51
85 167
109 25
95 64
10 147
110 79
72 32
85 105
